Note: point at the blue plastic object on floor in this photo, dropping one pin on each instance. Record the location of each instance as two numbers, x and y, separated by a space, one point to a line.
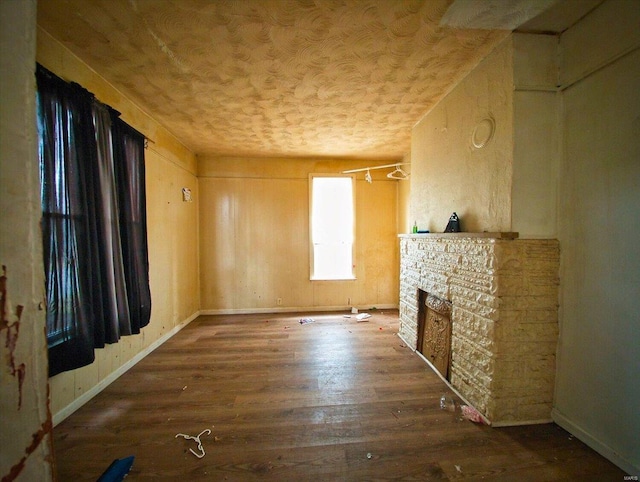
118 470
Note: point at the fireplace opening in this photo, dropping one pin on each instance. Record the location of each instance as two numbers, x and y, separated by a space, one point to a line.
434 331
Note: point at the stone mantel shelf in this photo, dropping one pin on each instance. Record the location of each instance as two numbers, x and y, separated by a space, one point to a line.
499 235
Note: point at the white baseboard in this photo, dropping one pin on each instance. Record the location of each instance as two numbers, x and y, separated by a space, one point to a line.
105 382
295 309
521 423
600 447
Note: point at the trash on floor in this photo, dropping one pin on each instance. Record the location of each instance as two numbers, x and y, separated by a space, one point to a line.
118 470
471 413
447 403
363 316
304 321
369 456
197 439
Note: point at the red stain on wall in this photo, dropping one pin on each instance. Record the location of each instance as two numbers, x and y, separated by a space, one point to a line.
36 440
13 331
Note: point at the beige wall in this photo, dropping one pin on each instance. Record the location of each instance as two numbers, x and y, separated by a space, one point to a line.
172 236
536 136
254 237
405 223
447 173
598 381
510 184
25 422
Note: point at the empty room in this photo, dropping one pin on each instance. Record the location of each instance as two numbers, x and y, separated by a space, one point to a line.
320 240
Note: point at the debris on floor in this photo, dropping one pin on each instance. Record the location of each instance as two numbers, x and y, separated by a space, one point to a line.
447 403
197 439
471 413
363 317
304 321
118 470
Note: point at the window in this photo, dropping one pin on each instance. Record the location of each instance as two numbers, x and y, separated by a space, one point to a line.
332 227
93 223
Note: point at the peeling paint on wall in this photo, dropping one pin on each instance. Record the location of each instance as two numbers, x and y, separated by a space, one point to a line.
36 439
11 323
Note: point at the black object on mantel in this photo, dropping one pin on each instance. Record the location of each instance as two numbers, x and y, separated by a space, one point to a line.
453 226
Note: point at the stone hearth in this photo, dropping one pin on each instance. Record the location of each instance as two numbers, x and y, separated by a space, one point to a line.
504 296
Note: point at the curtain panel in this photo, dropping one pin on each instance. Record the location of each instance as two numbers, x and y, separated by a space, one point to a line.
130 177
93 223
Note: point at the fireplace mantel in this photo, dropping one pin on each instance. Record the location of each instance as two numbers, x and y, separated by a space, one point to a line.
497 235
504 296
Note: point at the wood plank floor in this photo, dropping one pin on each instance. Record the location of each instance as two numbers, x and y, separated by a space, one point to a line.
330 400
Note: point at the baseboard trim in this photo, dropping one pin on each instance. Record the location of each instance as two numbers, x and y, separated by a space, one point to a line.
600 447
519 423
109 379
295 309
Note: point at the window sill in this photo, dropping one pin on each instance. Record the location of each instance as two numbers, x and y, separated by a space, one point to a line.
333 279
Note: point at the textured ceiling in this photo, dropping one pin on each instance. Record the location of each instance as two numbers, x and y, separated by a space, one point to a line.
339 78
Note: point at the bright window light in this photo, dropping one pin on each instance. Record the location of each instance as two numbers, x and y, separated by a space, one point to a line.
332 227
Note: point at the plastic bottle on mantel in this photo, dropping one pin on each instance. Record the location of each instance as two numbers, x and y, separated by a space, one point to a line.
415 227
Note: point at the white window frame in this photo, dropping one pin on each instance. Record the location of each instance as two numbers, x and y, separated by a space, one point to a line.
352 275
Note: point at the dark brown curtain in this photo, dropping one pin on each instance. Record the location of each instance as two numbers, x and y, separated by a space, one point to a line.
112 285
130 177
62 116
93 224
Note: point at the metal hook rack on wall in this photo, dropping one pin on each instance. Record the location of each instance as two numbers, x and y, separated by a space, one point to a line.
398 173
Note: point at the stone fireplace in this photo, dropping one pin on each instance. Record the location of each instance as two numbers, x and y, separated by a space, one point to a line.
503 295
